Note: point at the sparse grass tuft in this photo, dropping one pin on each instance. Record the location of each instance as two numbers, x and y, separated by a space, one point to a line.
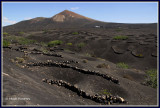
43 44
44 50
139 55
21 33
69 44
66 49
75 33
6 43
120 37
88 55
19 60
12 60
5 33
24 41
45 31
128 77
105 92
18 65
84 61
152 78
54 43
118 29
20 40
103 65
80 45
101 59
122 65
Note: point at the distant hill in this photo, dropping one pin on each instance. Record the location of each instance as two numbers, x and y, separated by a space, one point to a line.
65 19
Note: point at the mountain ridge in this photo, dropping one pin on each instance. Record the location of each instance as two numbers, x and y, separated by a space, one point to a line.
64 19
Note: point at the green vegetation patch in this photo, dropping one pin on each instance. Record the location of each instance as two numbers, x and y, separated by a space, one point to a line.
43 44
19 60
24 41
75 33
81 45
101 59
122 65
139 55
152 78
6 43
21 33
45 31
54 43
44 50
85 61
20 40
103 65
128 77
105 92
118 29
120 37
69 44
88 55
5 33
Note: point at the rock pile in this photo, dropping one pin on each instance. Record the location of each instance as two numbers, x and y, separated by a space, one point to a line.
69 61
105 99
84 71
48 54
7 47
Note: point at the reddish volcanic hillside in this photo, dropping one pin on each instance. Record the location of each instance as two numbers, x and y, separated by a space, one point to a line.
68 16
69 19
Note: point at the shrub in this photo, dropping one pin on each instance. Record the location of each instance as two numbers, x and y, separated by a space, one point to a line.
152 78
55 42
122 65
89 55
10 38
20 40
21 33
24 41
69 44
6 43
80 45
45 31
19 60
84 61
12 60
75 33
139 55
43 44
105 92
44 50
118 30
128 77
5 33
101 59
120 37
103 65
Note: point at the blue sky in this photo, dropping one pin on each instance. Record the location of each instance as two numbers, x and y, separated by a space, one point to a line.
121 12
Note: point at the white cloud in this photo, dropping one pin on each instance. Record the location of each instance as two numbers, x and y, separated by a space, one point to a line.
75 8
6 20
27 18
